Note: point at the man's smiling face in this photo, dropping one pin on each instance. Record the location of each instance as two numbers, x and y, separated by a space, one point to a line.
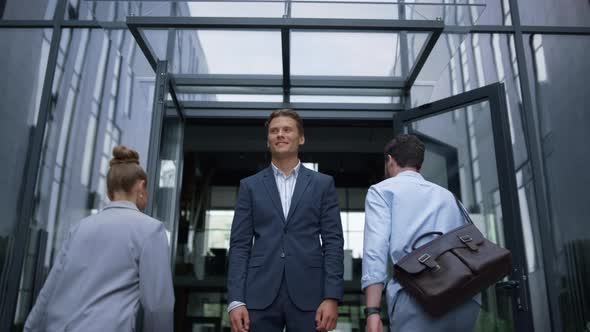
283 136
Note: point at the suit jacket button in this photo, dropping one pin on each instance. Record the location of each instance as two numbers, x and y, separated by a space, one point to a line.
282 255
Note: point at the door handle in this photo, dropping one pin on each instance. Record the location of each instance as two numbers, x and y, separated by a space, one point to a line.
508 285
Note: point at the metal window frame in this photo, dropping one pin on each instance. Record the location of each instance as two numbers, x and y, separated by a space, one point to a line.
285 25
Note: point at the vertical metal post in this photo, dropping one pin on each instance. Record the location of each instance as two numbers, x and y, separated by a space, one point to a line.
26 200
404 54
286 56
510 206
535 150
158 113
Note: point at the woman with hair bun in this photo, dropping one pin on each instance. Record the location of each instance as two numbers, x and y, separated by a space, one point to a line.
110 263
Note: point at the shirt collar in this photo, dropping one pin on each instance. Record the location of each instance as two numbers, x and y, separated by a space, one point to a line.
411 174
121 205
294 171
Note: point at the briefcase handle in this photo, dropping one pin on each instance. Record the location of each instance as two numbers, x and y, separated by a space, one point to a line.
423 236
463 212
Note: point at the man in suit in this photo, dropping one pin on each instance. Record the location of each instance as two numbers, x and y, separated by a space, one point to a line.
286 247
398 211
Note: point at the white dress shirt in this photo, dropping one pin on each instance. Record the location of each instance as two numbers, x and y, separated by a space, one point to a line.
286 186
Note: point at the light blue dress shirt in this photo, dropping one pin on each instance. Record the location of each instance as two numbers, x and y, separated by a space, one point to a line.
110 263
286 186
398 210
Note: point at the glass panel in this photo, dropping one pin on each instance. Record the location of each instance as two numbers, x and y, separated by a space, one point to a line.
344 99
476 61
158 41
115 10
214 52
27 9
448 137
23 69
345 92
560 93
456 12
234 9
169 174
554 12
331 54
463 12
343 10
230 97
243 90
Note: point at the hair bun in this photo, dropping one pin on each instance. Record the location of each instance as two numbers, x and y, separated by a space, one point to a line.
124 155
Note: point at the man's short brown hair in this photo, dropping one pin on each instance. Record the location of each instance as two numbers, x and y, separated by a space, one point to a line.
407 150
288 113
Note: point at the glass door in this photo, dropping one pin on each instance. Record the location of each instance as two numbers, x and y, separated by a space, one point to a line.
165 159
166 196
469 152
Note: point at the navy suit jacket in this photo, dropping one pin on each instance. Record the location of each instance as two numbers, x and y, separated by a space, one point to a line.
266 247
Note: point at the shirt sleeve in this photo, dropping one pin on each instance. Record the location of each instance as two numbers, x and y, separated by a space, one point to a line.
376 239
155 283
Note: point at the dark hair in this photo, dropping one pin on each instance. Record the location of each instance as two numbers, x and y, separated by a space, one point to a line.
124 170
288 113
407 150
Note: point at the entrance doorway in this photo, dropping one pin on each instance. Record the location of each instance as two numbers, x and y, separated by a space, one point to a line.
195 176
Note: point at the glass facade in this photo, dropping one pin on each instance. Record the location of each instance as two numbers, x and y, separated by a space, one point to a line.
75 83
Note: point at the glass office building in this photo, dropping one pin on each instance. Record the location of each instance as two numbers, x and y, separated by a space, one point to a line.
497 89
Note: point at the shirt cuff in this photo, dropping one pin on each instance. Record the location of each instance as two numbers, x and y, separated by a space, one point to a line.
371 279
235 304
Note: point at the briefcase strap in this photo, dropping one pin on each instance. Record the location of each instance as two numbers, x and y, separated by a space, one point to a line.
463 211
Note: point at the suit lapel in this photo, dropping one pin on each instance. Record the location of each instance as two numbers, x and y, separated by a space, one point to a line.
303 180
273 191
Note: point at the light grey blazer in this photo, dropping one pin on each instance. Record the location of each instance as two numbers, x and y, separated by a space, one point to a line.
110 263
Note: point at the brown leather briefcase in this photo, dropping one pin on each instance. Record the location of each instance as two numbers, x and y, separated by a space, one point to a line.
452 268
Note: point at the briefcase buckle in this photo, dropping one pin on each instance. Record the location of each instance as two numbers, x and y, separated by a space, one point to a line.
465 238
424 258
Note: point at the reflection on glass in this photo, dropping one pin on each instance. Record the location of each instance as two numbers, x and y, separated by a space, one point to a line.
561 101
572 13
167 174
166 196
23 70
540 65
15 10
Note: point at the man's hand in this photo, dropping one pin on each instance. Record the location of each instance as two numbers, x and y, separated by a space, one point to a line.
326 315
239 319
374 323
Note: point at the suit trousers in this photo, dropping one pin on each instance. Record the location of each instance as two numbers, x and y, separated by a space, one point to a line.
280 314
407 316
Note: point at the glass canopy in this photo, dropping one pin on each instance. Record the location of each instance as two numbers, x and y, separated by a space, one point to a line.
263 54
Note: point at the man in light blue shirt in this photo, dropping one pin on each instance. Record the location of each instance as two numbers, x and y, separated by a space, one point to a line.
398 210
